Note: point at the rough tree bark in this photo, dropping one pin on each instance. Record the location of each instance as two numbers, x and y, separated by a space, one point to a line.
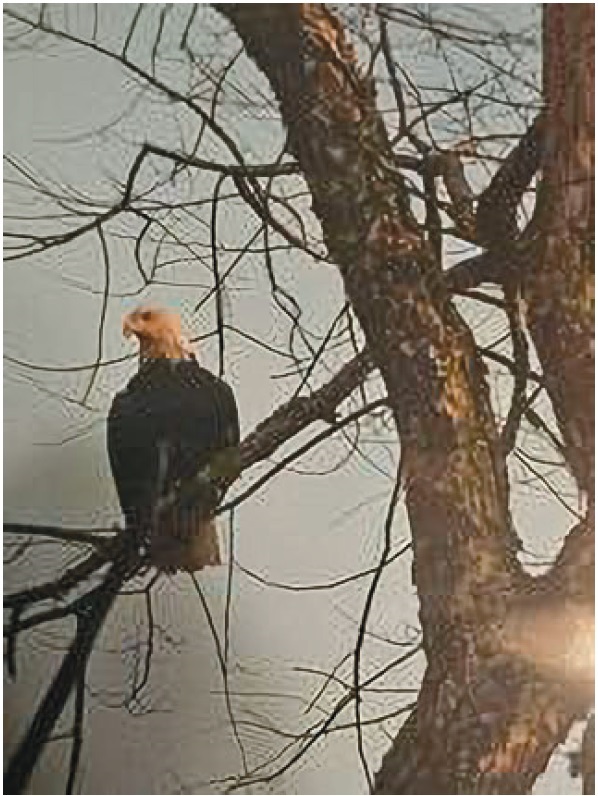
487 719
560 288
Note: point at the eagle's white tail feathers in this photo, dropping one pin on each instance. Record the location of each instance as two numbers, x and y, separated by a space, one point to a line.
182 541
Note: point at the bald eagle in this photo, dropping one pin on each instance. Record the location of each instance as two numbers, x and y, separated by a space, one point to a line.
173 444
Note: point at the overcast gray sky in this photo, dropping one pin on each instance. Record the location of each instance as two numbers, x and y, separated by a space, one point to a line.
299 529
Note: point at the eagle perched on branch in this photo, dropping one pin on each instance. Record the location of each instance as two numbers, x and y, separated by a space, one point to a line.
173 444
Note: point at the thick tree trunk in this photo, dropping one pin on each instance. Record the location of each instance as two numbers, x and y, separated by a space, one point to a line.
560 288
485 721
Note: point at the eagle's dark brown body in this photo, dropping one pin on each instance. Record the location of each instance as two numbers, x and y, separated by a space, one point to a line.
171 433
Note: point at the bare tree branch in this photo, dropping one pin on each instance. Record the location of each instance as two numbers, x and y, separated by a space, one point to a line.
496 215
90 619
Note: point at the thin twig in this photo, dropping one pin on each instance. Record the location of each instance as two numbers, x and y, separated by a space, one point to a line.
364 620
223 669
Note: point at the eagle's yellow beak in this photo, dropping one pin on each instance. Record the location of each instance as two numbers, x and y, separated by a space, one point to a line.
128 326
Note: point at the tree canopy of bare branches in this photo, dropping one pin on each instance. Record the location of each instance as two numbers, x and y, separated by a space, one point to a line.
379 180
